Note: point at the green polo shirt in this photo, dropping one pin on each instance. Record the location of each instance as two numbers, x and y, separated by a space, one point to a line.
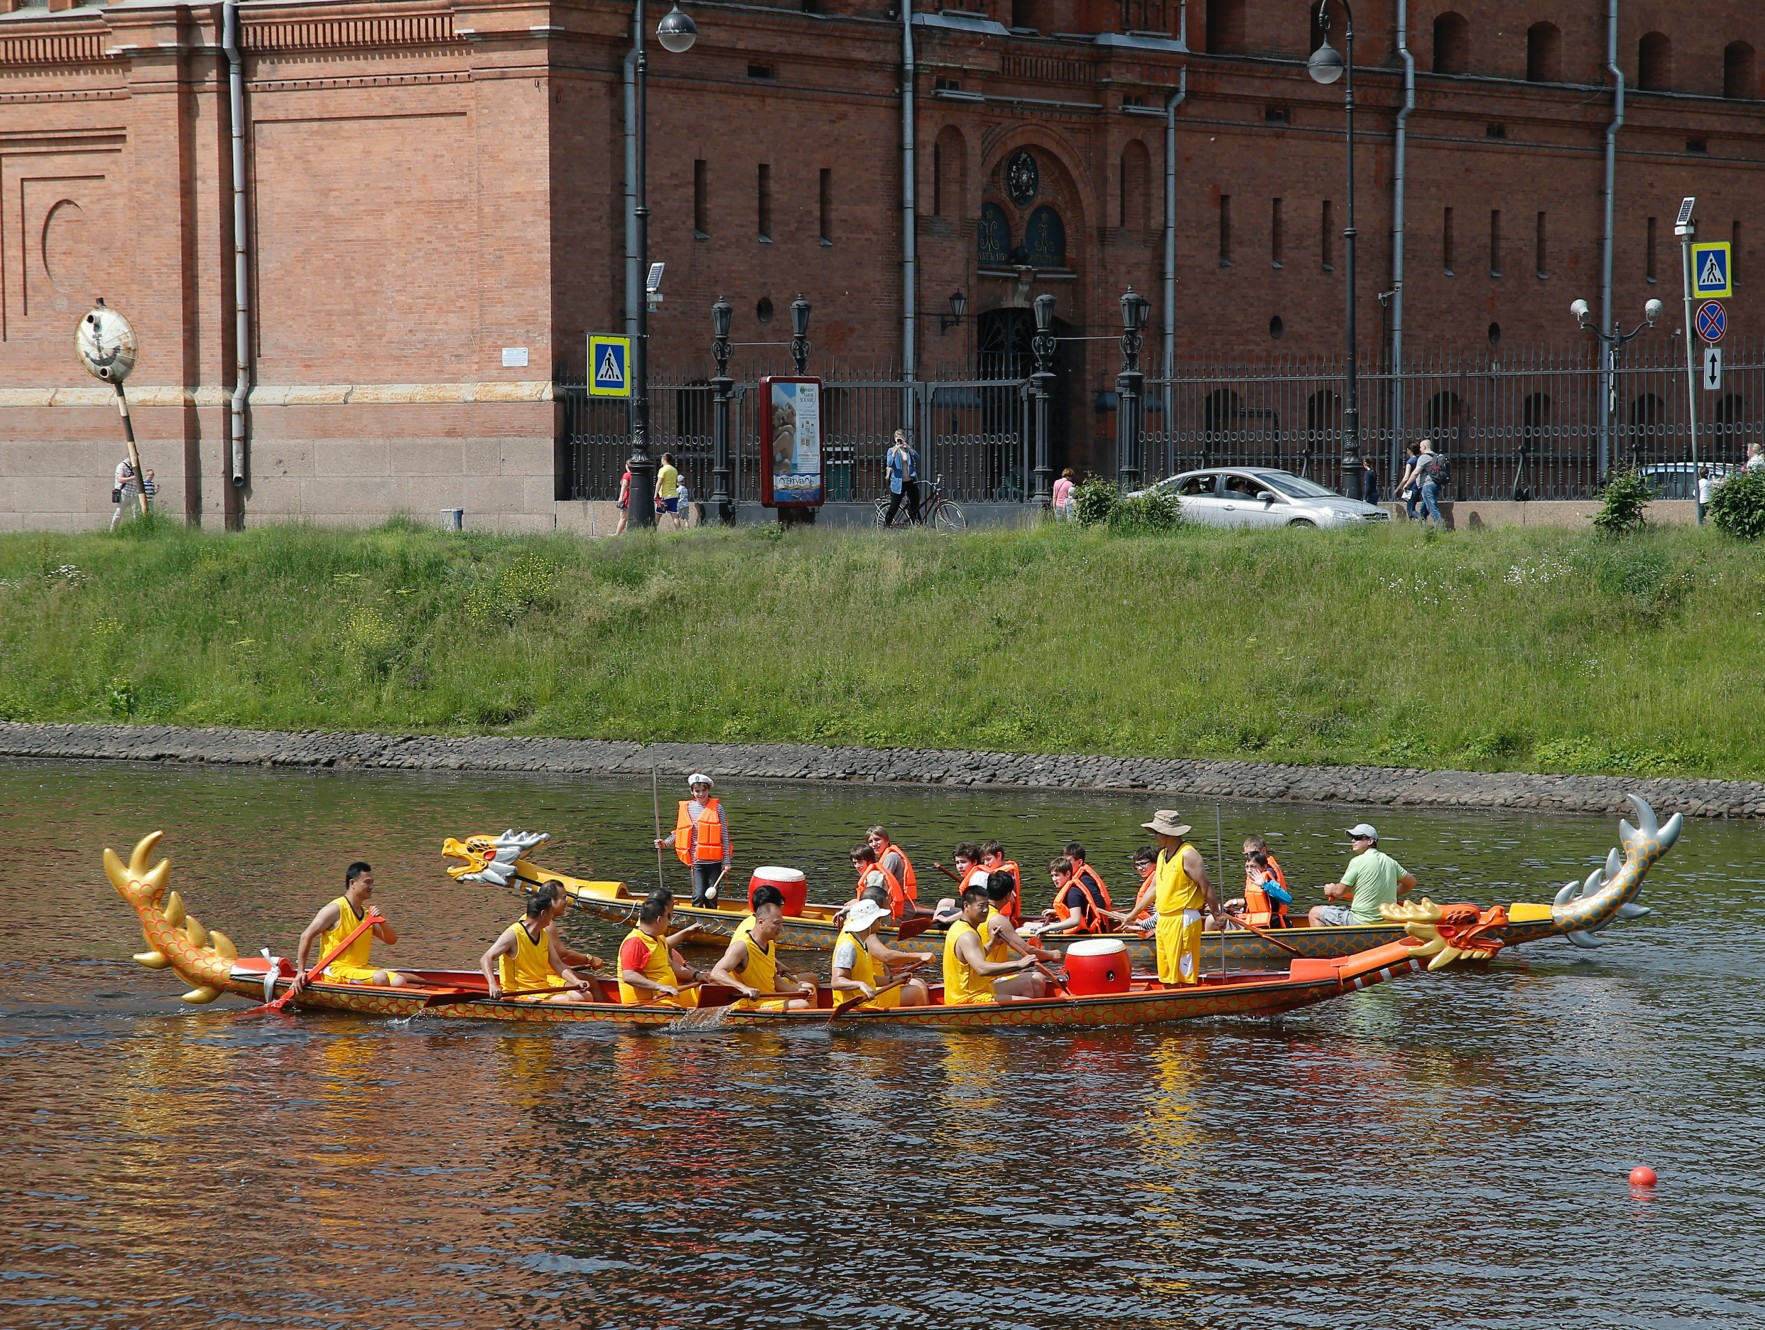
1374 876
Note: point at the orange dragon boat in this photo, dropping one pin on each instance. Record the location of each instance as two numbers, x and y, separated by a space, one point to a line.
1434 936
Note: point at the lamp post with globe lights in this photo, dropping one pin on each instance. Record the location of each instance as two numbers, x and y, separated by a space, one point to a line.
676 32
1611 342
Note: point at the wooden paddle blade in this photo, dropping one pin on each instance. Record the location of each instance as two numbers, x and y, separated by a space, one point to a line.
913 927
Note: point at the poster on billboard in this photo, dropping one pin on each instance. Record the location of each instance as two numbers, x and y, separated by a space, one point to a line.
790 443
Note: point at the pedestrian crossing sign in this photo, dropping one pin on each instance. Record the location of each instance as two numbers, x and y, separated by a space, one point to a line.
1712 271
609 366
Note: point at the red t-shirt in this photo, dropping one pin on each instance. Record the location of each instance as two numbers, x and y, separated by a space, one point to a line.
634 954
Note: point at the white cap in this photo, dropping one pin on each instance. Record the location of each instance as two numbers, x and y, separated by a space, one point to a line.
863 915
1360 829
699 778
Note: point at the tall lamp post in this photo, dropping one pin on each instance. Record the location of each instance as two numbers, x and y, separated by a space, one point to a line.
720 385
1127 391
1611 341
1326 66
800 334
676 32
1041 384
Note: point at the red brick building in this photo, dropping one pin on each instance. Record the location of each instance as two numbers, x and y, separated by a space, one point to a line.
436 200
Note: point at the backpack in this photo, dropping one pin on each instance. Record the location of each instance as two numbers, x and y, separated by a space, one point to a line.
1440 470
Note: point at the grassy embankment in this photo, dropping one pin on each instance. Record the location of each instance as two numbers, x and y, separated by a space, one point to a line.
1507 649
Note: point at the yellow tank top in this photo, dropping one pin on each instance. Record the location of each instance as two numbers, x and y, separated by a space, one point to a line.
1177 891
531 964
863 966
761 971
658 969
998 949
359 950
961 983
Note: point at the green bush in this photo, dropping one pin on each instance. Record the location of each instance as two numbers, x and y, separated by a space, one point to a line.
1738 505
1095 500
1627 496
1146 514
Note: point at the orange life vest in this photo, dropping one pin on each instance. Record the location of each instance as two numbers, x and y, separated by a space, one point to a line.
707 846
1086 909
1092 881
897 897
1260 908
909 879
1012 909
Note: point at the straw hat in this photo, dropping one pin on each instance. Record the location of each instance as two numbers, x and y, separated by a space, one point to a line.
1166 822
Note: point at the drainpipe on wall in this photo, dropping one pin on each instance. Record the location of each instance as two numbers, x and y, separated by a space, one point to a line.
632 276
1171 103
241 288
1399 179
1611 189
909 205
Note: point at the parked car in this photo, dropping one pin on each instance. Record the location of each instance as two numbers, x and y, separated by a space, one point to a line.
1262 496
1679 480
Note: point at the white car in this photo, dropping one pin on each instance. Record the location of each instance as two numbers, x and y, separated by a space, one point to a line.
1262 496
1678 480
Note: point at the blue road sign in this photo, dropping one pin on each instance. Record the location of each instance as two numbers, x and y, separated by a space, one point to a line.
1712 270
1712 321
609 366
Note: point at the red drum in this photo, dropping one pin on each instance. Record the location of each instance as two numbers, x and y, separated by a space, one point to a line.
1097 965
787 880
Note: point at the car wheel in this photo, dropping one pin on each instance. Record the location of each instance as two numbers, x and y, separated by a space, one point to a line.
1303 521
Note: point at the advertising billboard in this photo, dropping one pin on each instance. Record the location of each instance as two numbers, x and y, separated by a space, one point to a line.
790 443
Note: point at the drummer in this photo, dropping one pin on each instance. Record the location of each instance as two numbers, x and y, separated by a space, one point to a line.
337 921
650 969
861 961
970 975
524 960
750 964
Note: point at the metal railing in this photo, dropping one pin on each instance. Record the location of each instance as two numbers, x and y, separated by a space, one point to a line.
1523 423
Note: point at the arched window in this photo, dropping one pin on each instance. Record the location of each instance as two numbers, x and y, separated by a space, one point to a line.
1044 238
1225 27
1136 187
1654 62
992 237
1544 53
1737 71
1452 44
949 173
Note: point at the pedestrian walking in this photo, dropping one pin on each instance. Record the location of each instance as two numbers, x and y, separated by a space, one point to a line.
903 464
1706 487
1369 481
1409 486
624 502
1063 489
124 490
1434 471
668 491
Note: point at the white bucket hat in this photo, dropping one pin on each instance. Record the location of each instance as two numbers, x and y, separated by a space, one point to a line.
863 915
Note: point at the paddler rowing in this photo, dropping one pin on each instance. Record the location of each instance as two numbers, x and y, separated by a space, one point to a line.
861 962
337 921
527 959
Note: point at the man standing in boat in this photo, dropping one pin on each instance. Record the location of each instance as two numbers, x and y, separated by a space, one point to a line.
969 977
1184 898
750 965
700 838
650 969
337 921
525 960
1372 878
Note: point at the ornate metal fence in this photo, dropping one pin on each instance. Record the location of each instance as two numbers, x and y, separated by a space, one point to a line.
1528 423
975 433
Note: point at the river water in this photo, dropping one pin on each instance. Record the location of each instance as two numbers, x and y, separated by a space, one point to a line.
1448 1149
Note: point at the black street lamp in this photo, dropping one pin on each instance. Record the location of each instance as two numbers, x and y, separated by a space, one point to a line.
958 307
677 33
800 333
1128 384
1611 341
720 386
1041 385
1326 66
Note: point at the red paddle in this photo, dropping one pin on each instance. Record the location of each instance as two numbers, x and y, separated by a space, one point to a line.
277 1004
1284 946
913 927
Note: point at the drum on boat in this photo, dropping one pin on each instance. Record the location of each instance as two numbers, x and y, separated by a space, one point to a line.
1097 965
787 880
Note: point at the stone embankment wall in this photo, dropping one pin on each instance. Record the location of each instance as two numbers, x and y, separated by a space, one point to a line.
1162 779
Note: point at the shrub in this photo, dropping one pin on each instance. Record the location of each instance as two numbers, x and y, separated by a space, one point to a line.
1146 514
1627 495
1095 500
1738 505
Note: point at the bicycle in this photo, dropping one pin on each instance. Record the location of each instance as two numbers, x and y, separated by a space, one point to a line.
934 510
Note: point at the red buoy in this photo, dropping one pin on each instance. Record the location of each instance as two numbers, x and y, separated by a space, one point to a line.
1642 1176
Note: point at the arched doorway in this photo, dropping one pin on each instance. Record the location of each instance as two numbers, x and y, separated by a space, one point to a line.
1004 352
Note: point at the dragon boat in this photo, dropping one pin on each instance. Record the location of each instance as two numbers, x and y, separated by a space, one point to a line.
502 861
1432 936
